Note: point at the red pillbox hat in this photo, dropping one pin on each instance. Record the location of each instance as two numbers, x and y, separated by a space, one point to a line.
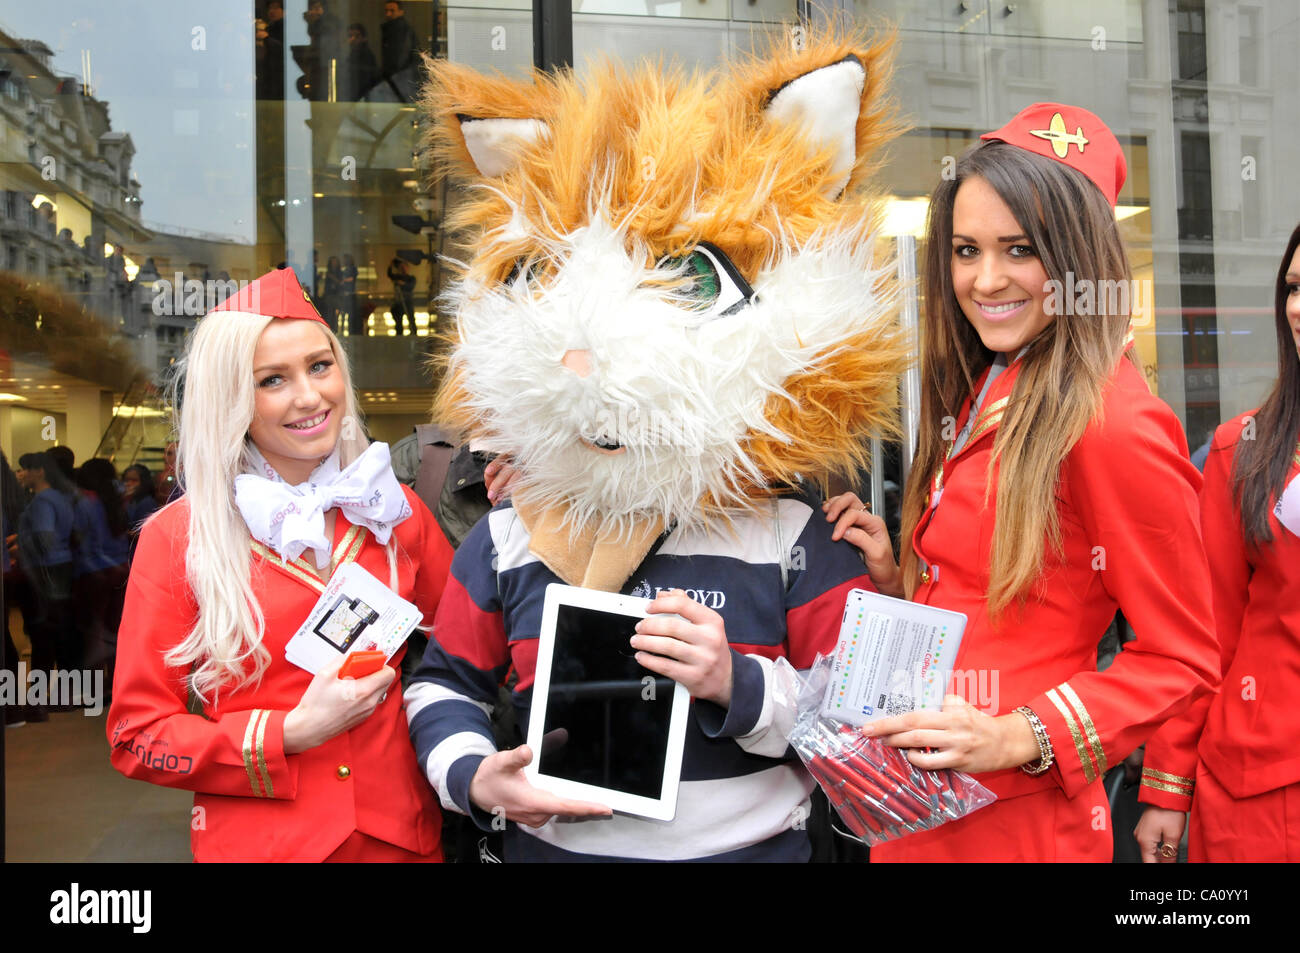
276 294
1073 136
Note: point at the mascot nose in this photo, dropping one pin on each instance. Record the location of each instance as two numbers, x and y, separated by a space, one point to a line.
577 361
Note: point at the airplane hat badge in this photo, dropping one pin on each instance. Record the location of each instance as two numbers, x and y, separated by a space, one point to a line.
1091 149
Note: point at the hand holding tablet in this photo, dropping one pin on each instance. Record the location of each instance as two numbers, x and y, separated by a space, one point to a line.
685 640
499 785
606 721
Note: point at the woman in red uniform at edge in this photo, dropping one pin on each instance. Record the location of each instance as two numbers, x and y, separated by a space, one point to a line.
1049 489
284 765
1235 756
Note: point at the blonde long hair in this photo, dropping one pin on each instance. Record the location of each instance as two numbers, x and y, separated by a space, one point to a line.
215 393
1058 390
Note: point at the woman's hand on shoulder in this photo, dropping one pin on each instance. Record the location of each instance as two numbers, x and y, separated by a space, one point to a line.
333 705
857 525
500 476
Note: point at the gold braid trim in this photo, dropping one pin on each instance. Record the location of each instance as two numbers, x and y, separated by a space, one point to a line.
263 771
1167 782
248 750
1085 762
1089 729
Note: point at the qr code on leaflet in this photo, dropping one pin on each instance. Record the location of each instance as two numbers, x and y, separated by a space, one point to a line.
896 704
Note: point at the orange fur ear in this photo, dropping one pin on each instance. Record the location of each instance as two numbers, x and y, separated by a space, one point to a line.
480 125
833 89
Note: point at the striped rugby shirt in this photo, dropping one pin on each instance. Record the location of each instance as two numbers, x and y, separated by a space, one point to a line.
743 792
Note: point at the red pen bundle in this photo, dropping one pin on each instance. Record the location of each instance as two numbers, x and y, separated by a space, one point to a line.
877 792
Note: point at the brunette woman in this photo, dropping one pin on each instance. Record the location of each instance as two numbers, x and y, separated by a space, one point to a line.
1050 488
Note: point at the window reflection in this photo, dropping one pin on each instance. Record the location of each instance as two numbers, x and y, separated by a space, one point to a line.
148 167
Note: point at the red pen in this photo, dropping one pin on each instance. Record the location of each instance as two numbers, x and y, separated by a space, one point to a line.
868 792
864 780
904 798
852 798
896 765
862 827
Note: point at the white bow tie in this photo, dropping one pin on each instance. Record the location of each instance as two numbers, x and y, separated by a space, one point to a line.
291 518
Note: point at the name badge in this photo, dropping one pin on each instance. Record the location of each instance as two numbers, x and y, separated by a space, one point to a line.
356 613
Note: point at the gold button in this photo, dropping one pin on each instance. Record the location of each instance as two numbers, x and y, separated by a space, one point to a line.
925 576
460 482
343 772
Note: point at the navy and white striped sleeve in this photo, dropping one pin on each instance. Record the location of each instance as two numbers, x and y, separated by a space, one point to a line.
449 701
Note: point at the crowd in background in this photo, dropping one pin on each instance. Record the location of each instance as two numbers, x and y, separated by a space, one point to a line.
348 312
338 65
69 536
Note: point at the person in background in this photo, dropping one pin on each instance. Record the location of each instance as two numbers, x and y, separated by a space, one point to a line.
361 71
398 41
139 496
45 556
12 501
403 296
1233 756
348 298
168 486
333 293
100 562
324 45
65 459
270 53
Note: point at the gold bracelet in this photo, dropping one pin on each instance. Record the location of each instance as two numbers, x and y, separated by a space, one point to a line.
1045 754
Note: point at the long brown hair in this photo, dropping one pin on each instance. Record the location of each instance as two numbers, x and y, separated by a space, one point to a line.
1260 466
1058 392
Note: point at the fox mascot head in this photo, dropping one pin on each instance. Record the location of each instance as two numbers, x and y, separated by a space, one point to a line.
675 302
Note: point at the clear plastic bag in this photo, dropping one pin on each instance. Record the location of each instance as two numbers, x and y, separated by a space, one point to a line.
877 792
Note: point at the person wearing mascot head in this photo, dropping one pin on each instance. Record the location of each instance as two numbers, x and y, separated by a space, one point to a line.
675 311
1050 488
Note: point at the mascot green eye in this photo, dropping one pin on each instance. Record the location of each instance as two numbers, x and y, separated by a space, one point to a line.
711 285
704 283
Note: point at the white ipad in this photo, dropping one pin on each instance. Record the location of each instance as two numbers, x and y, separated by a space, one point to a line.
602 727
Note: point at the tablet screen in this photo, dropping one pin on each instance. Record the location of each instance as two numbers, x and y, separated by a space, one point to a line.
607 717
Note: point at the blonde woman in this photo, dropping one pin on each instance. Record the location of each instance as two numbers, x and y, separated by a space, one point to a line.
284 765
1050 488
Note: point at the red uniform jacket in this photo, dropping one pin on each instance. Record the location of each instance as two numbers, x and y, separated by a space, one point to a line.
252 801
1131 540
1250 740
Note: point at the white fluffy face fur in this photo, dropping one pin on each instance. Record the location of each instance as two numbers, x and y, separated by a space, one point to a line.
600 349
